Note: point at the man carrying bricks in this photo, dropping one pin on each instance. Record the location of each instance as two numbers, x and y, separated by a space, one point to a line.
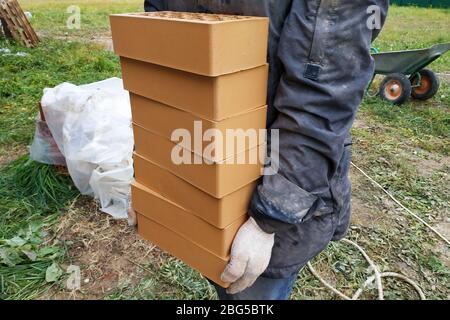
320 65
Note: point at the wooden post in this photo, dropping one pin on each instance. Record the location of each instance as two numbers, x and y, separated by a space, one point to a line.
15 23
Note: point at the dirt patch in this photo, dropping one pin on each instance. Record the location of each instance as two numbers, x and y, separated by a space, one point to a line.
427 167
103 40
443 249
443 226
363 214
371 208
360 123
426 163
111 254
444 77
11 153
108 251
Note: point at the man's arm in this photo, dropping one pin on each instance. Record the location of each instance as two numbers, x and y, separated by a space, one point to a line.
325 51
154 5
327 65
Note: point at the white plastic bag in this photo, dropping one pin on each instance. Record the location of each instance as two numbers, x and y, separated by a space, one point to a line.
44 148
91 125
111 186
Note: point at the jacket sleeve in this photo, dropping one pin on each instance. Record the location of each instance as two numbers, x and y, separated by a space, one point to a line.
325 52
154 5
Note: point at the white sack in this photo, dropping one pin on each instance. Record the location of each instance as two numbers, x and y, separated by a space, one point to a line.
91 125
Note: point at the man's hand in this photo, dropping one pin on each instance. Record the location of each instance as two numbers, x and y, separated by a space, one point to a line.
250 256
132 219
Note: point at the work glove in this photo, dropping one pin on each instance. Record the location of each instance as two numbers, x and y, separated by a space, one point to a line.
132 219
250 256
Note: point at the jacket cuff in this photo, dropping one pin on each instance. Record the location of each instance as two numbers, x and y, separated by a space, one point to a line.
151 6
267 224
278 204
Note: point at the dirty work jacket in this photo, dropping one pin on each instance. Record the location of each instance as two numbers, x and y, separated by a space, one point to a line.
320 64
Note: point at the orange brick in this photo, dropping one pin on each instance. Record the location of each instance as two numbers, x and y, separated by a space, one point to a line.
169 214
195 256
218 179
213 98
163 120
210 45
218 212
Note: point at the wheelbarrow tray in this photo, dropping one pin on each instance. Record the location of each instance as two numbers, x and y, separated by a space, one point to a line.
408 62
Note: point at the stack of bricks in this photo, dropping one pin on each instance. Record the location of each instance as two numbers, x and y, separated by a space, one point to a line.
193 72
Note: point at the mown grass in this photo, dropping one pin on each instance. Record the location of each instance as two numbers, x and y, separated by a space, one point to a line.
50 16
32 196
23 79
394 134
414 28
406 27
171 281
425 123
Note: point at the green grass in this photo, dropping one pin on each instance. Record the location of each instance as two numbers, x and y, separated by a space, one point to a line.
23 79
385 148
32 196
395 140
414 28
406 27
419 117
424 123
50 17
171 281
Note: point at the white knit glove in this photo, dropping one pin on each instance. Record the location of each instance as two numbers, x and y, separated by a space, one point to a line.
250 256
132 219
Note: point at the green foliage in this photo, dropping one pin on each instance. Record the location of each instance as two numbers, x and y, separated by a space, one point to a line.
23 79
50 16
172 280
410 28
31 196
187 280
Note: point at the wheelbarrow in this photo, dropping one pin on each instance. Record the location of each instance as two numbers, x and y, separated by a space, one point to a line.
406 75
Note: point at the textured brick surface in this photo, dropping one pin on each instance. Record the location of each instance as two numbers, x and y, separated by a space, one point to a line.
209 47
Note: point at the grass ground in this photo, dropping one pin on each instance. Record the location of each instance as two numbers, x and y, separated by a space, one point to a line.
405 148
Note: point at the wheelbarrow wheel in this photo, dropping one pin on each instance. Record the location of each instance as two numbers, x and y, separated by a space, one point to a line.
425 84
395 88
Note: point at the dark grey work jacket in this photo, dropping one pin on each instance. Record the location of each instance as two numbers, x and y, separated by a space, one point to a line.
320 65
